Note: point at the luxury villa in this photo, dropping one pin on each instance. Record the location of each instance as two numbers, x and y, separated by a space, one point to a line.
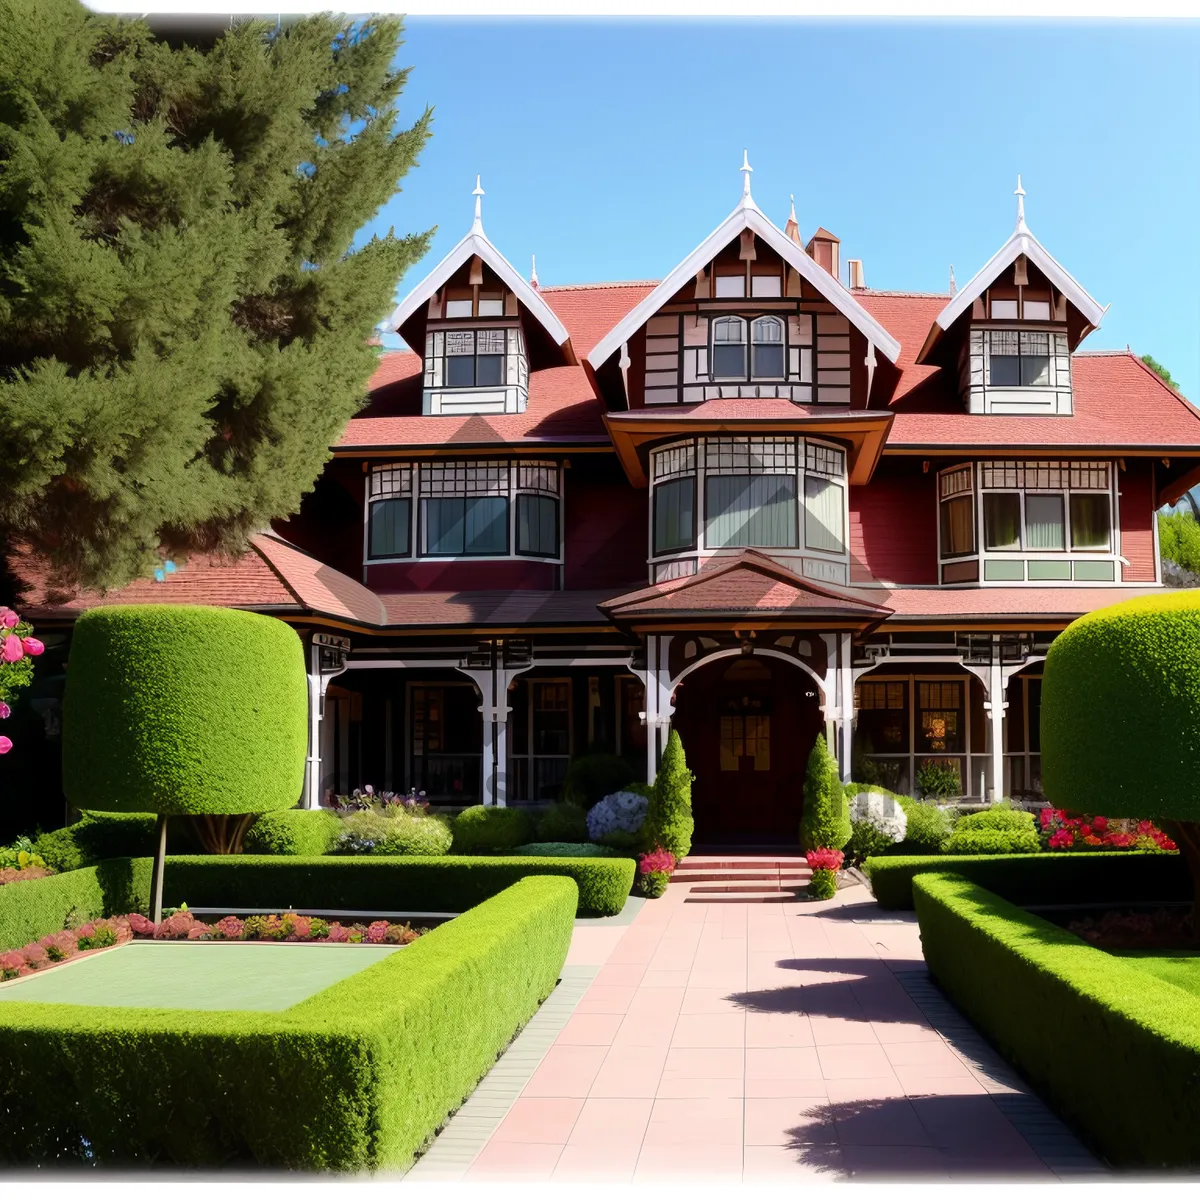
749 501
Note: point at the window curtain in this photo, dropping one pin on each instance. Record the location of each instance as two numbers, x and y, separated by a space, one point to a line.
1044 522
389 529
1091 524
824 519
537 525
1002 520
444 525
674 515
750 510
958 526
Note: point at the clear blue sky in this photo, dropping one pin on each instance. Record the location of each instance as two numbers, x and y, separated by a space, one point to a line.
611 149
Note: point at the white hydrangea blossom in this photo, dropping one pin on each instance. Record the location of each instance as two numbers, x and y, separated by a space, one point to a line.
881 811
623 811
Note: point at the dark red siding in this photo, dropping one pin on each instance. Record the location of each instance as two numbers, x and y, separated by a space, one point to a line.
606 525
893 525
1135 492
461 576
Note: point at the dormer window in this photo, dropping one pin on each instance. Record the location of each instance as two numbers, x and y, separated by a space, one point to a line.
766 345
729 348
1017 358
767 348
474 358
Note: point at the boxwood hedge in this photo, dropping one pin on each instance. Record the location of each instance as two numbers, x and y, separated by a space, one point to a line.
383 884
296 831
356 1077
1116 1050
1046 878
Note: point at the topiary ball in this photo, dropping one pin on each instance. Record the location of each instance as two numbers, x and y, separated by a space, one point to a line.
1121 710
182 709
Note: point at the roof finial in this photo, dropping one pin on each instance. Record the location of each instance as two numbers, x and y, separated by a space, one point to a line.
533 279
1020 195
746 170
792 228
953 285
478 193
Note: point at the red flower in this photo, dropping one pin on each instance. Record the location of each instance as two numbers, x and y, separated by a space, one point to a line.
12 651
1100 824
32 646
657 860
824 859
1145 827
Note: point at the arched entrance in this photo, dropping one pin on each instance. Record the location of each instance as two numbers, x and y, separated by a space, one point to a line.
748 724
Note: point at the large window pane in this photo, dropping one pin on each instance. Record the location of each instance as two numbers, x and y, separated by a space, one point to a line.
537 525
958 526
729 362
388 533
444 525
1044 523
1002 521
485 525
824 516
674 515
750 510
1005 370
460 370
768 361
1091 522
489 370
1035 370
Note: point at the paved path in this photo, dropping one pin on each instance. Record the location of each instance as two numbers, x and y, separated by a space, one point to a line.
754 1041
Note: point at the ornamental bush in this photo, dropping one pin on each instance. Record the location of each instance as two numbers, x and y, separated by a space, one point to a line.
303 831
998 830
395 831
563 822
825 821
95 837
669 823
594 775
484 829
183 709
618 820
928 827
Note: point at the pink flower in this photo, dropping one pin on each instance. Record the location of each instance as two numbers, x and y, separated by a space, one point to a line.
8 618
658 860
376 932
5 711
5 744
13 651
1099 824
32 646
824 859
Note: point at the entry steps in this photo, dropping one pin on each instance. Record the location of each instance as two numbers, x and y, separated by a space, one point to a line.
742 878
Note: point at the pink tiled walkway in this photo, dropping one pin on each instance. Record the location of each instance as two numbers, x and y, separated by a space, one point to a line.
752 1041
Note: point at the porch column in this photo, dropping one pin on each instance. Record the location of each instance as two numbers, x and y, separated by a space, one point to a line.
846 707
995 704
665 708
311 795
650 716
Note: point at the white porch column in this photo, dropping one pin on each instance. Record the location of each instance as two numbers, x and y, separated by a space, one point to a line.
665 708
995 704
846 705
494 709
318 683
650 716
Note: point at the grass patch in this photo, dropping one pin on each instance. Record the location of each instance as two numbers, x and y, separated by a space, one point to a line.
1180 967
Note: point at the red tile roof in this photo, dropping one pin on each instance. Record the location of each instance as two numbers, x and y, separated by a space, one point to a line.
562 406
517 609
998 602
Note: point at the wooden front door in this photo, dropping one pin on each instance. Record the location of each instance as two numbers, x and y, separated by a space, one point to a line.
747 727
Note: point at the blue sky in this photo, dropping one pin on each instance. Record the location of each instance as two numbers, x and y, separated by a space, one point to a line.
611 149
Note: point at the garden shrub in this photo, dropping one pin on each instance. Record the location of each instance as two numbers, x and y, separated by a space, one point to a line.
357 1077
563 822
928 827
669 823
618 820
877 822
303 831
1114 1049
938 778
380 884
177 708
592 776
825 821
825 863
484 829
563 850
395 830
654 872
997 830
1041 878
866 841
97 836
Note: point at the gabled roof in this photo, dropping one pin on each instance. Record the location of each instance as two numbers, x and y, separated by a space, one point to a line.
476 243
1021 242
747 215
749 586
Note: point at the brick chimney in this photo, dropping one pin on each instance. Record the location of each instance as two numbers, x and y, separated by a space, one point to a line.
823 250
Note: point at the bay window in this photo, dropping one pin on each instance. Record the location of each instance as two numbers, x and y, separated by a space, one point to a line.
389 512
957 512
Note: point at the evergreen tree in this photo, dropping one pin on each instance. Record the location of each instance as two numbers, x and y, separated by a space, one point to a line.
186 326
825 821
669 822
1159 370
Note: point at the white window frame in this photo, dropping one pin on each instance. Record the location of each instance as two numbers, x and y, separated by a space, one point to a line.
747 325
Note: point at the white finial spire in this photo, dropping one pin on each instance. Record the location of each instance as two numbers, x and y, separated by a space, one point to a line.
746 170
792 214
1020 195
792 228
953 285
533 279
478 193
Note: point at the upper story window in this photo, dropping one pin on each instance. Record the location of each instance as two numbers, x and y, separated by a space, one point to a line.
1027 521
472 302
474 358
472 509
748 350
771 493
1018 358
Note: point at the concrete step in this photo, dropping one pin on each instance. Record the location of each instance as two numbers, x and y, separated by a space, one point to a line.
738 876
742 889
763 898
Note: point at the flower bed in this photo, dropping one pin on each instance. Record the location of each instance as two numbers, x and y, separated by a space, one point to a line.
824 864
184 926
1062 830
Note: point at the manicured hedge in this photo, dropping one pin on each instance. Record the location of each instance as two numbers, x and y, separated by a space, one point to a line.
1115 1050
178 708
380 884
486 829
564 850
356 1077
97 836
297 831
1047 878
32 909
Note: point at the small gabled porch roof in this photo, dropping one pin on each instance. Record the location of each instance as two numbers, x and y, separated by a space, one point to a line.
748 591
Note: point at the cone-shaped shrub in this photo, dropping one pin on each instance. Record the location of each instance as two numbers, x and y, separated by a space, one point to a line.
825 821
669 823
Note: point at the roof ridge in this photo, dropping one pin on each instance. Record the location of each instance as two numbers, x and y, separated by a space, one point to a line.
900 292
616 283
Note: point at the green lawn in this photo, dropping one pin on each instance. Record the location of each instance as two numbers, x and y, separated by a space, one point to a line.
197 975
1180 967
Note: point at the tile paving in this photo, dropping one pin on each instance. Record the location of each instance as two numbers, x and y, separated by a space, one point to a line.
746 1041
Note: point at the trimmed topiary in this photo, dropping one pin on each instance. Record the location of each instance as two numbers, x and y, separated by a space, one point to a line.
999 830
95 837
296 831
592 776
825 821
483 829
563 822
669 823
